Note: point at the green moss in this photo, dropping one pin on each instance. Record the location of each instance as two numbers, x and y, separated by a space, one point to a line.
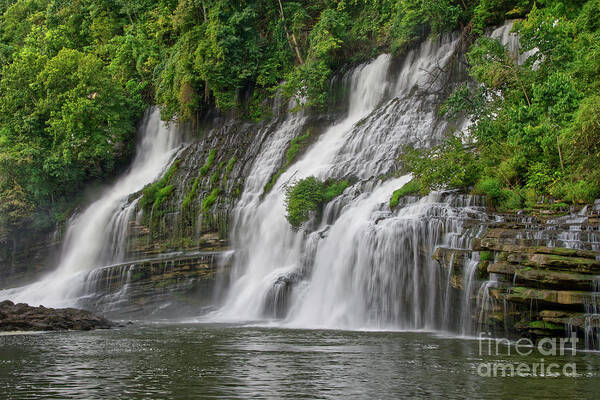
214 177
154 194
272 181
296 145
228 169
162 195
230 164
208 163
191 194
546 325
411 187
165 283
210 199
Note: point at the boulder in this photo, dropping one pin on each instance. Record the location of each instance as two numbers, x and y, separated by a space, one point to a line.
22 317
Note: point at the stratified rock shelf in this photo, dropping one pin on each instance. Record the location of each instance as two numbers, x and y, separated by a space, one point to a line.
22 317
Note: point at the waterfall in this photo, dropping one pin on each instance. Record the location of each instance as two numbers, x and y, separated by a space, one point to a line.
98 236
364 266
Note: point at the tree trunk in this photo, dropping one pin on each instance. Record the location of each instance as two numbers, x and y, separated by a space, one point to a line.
287 34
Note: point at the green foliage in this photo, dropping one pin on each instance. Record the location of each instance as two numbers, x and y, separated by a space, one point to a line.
303 198
208 163
490 187
412 187
297 144
334 189
485 255
228 169
308 195
209 200
75 77
536 126
450 165
191 194
230 164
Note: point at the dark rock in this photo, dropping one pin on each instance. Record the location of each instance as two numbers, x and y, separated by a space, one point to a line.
22 317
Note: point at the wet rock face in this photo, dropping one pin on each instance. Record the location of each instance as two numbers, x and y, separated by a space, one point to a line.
538 274
207 183
169 286
22 317
27 259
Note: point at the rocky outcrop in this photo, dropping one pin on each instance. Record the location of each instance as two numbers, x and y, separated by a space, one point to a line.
22 317
166 286
538 274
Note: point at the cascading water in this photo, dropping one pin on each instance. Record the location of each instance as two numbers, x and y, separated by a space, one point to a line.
365 266
98 236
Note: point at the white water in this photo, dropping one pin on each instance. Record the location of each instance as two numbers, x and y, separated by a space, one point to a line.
358 272
98 236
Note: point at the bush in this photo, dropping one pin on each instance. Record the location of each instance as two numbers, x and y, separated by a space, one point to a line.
303 198
452 165
491 188
512 200
576 192
309 195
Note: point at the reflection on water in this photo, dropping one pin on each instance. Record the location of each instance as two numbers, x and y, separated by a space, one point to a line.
217 361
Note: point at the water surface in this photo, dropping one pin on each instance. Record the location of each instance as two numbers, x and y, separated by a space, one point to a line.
220 361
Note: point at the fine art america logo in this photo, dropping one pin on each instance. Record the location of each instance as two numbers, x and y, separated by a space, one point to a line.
543 353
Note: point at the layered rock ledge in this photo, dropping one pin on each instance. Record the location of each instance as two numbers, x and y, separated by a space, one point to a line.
22 317
536 274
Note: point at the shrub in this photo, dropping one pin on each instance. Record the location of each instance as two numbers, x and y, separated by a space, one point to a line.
309 195
301 199
512 200
452 165
490 187
576 192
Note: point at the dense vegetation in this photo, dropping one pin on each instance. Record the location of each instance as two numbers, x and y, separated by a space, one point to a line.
309 195
536 126
75 76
